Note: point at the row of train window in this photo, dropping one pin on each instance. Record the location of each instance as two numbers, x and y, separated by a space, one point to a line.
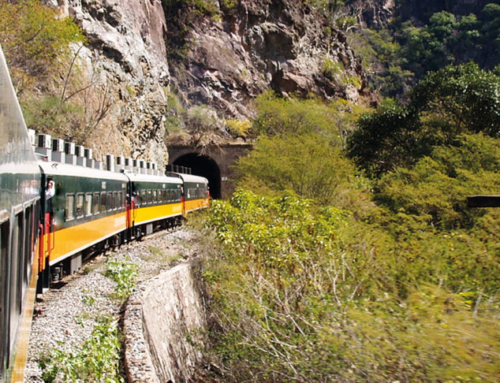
196 193
86 205
158 196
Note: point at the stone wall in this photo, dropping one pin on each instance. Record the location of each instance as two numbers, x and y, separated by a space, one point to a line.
164 323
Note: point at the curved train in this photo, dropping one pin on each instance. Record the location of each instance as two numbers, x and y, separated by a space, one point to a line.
53 215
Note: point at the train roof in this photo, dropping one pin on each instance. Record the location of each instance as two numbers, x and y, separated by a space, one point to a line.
193 179
134 177
57 168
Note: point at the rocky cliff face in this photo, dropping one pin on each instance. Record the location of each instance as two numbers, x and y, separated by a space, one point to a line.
229 57
126 57
259 45
373 14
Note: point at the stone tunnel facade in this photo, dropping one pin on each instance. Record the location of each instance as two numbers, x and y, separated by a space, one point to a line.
212 162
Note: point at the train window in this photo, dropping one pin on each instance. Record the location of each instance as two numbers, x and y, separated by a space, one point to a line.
88 204
143 197
103 202
28 246
117 203
155 196
149 196
109 201
79 205
70 207
121 205
4 262
95 208
15 291
164 197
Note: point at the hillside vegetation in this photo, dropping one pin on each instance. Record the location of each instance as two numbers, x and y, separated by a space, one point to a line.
358 260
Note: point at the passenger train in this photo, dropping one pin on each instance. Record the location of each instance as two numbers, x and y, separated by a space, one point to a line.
53 215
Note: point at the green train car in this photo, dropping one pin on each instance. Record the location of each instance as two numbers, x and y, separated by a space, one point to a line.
155 200
87 213
19 220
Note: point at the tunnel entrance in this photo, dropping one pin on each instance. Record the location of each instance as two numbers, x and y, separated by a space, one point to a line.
203 166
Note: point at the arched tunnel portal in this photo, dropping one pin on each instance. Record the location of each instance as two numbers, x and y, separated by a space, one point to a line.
204 166
214 162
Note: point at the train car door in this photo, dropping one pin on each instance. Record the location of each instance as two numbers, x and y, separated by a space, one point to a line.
47 233
132 204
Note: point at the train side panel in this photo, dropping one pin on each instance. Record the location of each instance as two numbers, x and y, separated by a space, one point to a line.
89 207
19 209
147 214
154 200
196 194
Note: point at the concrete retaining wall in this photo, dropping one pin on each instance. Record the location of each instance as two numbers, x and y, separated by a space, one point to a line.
164 323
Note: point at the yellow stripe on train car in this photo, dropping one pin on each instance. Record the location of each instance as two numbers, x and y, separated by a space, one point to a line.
197 204
145 214
73 239
25 328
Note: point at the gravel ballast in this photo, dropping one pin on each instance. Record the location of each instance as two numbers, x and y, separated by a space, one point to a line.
65 317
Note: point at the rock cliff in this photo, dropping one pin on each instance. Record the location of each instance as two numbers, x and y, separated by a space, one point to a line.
126 55
225 58
258 45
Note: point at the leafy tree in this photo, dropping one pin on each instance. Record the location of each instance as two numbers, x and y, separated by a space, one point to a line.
490 31
389 137
451 101
465 96
426 48
442 25
35 40
446 39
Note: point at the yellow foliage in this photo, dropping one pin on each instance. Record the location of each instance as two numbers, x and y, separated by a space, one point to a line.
238 128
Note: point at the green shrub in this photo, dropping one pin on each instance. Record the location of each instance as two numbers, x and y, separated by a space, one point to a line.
332 69
292 116
306 164
124 274
51 115
97 360
238 128
203 119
